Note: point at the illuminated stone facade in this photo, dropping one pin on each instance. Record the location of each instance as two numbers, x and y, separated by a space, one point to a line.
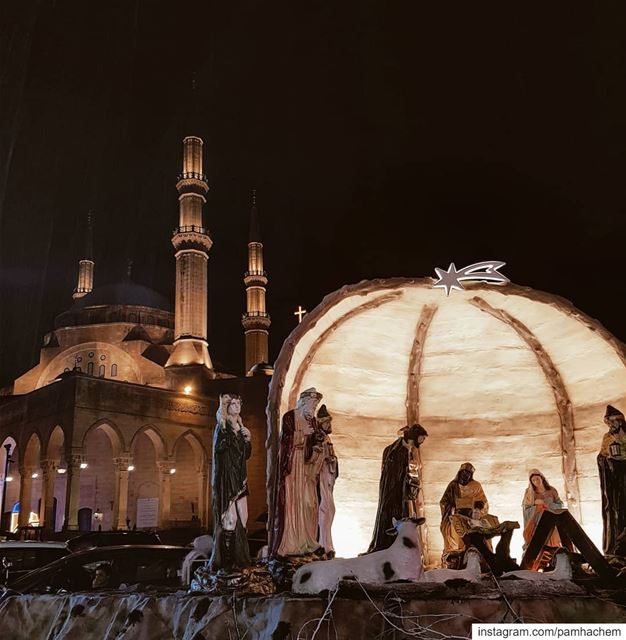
114 424
256 320
94 444
192 243
85 265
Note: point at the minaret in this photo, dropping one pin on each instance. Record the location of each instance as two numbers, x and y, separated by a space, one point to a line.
85 264
256 320
192 243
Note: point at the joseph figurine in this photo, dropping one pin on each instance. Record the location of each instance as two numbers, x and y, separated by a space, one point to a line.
399 485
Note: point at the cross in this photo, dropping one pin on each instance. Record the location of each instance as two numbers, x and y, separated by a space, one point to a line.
300 312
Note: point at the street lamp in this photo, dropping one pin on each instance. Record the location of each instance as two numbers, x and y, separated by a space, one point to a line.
98 516
7 462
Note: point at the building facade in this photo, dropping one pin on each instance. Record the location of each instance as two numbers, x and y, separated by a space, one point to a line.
113 426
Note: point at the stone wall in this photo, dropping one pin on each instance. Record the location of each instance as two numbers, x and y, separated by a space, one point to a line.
442 613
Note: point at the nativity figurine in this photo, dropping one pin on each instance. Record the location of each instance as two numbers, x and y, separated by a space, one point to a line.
232 447
612 470
296 517
539 496
326 472
399 485
466 521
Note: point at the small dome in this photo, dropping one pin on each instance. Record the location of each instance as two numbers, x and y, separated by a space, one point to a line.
123 293
262 369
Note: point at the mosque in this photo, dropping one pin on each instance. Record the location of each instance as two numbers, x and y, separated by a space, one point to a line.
112 428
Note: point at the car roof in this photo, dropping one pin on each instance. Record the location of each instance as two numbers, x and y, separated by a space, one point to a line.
117 547
37 544
93 539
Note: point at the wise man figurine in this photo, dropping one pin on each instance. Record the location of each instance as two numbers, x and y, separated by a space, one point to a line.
296 505
466 521
612 470
326 472
399 484
231 449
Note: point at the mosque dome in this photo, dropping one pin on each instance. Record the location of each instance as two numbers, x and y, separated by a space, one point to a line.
123 293
126 302
506 377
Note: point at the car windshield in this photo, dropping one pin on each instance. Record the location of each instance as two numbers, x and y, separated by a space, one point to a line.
108 568
24 558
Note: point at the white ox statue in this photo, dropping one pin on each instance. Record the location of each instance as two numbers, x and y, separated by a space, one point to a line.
562 570
471 573
401 561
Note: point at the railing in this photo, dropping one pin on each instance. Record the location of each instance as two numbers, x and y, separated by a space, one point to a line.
191 228
191 175
247 274
255 314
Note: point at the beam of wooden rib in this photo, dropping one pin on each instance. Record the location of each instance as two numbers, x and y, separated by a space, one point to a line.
532 556
561 399
412 396
319 341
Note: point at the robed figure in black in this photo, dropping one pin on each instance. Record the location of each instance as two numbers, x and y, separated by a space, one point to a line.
612 470
399 484
229 483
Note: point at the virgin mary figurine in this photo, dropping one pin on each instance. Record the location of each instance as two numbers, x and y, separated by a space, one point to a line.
229 483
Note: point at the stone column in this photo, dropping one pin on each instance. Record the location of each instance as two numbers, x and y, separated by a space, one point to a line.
203 479
72 493
120 499
46 509
165 491
26 495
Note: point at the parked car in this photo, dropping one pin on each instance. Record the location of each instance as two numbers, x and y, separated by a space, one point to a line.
95 539
19 558
108 568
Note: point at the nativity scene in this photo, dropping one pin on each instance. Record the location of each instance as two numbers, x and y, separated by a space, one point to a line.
508 513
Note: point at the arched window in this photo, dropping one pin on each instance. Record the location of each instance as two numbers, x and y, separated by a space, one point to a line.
90 368
132 317
101 371
113 370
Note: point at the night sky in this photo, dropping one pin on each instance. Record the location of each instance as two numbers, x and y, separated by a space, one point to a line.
384 139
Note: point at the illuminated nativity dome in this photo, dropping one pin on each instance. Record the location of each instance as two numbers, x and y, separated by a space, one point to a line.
505 377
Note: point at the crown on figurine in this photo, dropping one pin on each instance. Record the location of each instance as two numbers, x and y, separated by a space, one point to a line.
311 393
